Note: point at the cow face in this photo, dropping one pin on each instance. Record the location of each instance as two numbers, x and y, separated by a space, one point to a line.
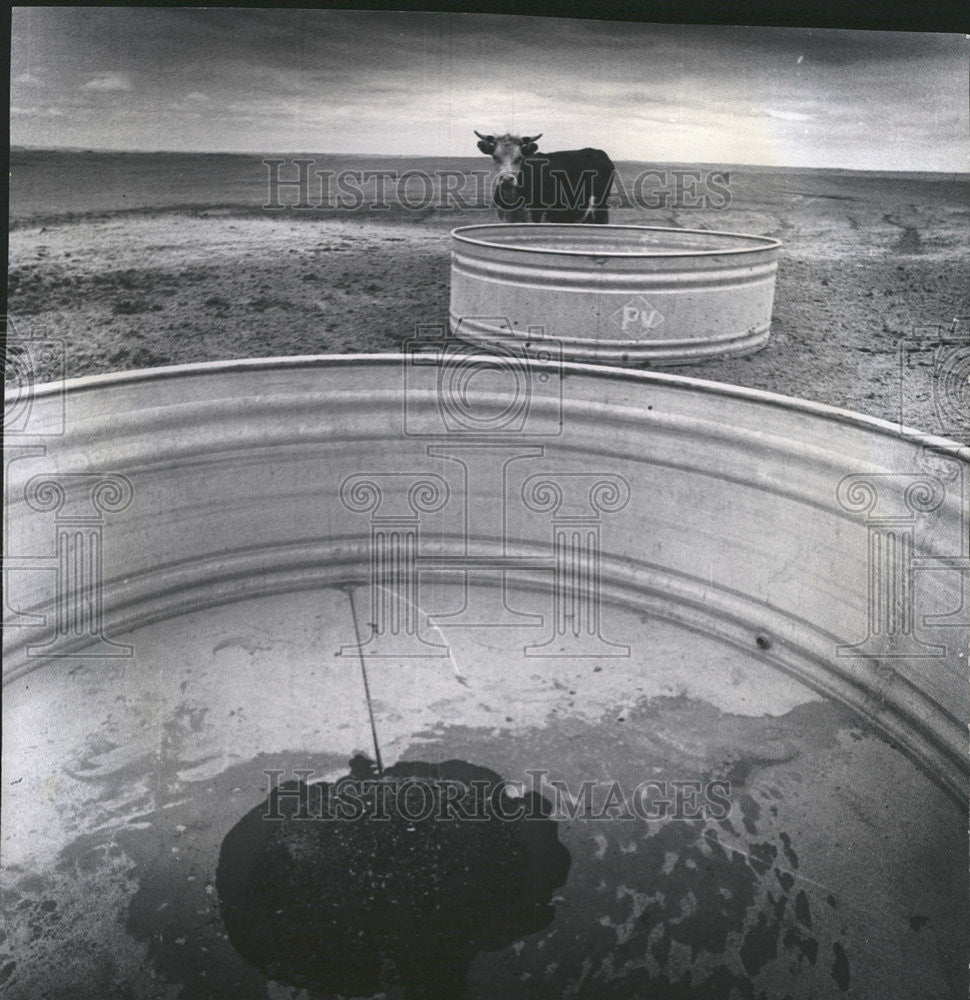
508 152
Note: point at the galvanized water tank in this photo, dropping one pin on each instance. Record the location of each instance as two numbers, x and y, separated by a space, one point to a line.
615 294
606 576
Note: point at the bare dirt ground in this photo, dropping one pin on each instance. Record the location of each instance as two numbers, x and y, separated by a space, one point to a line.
862 270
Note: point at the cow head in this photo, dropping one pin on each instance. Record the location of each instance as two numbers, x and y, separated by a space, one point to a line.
508 152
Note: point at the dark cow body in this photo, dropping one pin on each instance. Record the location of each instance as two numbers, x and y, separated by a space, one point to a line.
568 186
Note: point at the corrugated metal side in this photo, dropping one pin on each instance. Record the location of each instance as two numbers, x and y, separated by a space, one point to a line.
641 301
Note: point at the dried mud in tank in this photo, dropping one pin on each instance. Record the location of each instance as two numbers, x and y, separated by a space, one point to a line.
349 888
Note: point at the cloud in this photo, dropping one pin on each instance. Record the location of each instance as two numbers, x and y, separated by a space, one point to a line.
107 82
368 81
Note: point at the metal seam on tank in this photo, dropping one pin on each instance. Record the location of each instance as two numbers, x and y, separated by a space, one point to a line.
508 272
611 285
759 291
628 262
503 236
492 334
475 328
589 412
130 579
591 251
653 353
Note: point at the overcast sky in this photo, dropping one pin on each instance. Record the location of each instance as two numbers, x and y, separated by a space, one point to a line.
413 83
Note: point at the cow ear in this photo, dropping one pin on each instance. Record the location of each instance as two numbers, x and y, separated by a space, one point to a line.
529 148
486 147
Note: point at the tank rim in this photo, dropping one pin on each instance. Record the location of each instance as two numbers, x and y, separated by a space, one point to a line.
461 233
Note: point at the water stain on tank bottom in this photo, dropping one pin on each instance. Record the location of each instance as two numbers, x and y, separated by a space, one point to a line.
814 883
388 879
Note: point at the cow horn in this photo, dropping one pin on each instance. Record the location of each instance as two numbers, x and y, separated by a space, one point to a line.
487 138
531 138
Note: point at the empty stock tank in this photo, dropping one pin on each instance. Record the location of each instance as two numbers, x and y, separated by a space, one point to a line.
614 294
609 577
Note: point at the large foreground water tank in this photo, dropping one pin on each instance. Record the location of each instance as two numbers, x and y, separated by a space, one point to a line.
600 583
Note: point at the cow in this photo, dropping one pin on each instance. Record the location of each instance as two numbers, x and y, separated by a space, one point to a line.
569 186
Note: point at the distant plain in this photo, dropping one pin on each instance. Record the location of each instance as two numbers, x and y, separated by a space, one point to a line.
134 260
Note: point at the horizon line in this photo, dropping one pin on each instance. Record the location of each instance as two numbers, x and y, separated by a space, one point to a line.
391 156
